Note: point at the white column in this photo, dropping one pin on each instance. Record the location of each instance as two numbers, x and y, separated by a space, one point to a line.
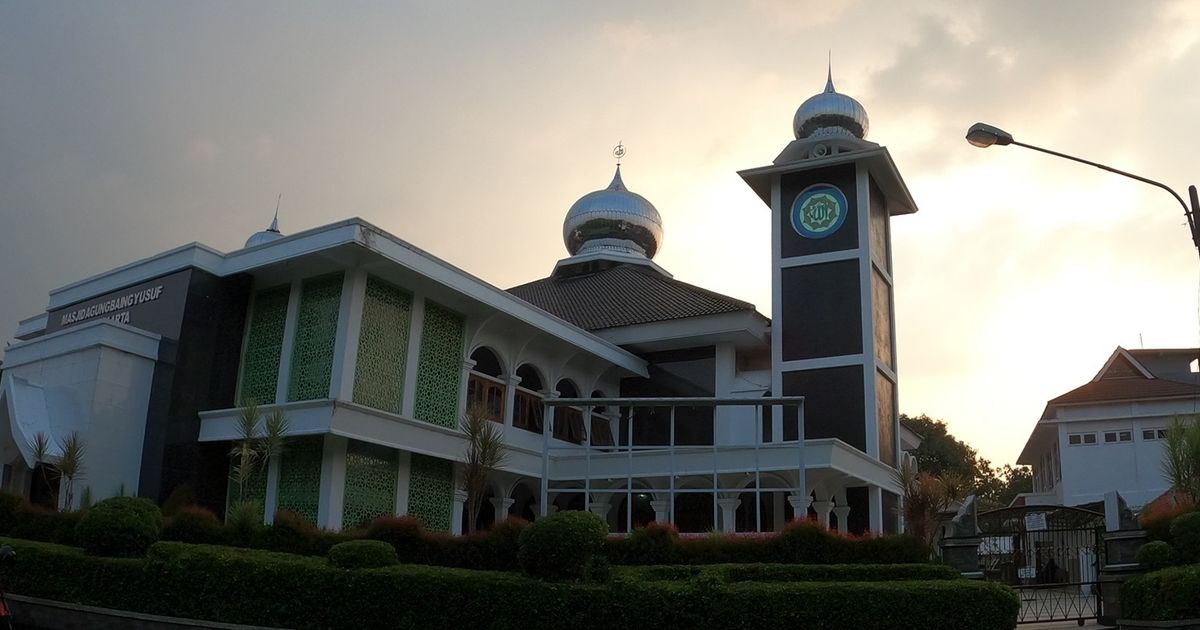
662 511
875 508
601 509
501 505
412 361
842 512
728 513
456 513
510 397
333 483
799 505
271 499
289 342
823 508
403 478
725 369
468 365
345 346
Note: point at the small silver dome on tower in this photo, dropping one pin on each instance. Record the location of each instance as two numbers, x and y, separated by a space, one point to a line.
830 114
613 219
267 235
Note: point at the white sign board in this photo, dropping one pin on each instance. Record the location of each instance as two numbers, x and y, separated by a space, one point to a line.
1035 521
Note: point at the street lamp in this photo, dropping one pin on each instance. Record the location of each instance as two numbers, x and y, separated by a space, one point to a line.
983 136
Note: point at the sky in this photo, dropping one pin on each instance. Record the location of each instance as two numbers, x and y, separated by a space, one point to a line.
469 129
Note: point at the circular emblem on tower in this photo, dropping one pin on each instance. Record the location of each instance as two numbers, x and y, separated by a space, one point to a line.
819 211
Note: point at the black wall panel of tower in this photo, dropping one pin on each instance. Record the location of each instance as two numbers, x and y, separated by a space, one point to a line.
822 310
833 405
846 237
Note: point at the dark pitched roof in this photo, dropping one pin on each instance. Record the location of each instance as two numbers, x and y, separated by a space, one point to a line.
624 295
1126 388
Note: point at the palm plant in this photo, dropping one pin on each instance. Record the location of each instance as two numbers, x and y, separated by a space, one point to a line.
244 451
70 463
485 453
40 447
1181 457
926 497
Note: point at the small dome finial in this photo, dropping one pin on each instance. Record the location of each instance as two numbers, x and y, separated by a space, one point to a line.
271 233
829 75
619 152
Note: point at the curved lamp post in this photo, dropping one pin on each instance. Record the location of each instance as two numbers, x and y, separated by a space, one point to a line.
983 135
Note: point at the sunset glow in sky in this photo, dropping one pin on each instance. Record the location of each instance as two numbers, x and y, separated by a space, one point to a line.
470 129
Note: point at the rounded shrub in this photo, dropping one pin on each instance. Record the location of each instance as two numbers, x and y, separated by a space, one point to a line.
1185 537
563 546
192 524
1155 555
290 533
404 533
807 542
120 526
10 505
501 545
656 543
362 554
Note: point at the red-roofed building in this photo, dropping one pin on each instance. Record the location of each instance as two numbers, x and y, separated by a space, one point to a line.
1107 434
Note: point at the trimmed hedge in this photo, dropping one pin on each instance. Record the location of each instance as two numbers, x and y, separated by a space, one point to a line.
790 572
192 524
562 546
1164 595
801 542
362 554
271 589
120 526
1185 537
1155 555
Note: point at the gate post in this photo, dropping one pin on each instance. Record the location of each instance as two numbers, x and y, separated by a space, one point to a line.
962 553
1120 549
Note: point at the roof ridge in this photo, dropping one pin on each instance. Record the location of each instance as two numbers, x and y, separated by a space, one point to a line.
705 291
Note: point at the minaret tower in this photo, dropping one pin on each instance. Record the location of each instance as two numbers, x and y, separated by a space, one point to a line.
832 194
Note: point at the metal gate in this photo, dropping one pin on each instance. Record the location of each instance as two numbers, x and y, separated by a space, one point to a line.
1050 555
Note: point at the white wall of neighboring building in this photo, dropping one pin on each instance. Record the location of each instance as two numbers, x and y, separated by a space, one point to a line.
94 379
1133 468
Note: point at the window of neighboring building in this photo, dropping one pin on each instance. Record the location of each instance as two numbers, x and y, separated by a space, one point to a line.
1076 439
1154 434
527 401
1112 437
485 387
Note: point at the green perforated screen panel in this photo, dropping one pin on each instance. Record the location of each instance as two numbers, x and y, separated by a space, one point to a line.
316 332
300 476
440 366
382 346
264 342
370 483
431 491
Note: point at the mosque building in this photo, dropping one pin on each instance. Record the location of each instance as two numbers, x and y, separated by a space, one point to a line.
618 389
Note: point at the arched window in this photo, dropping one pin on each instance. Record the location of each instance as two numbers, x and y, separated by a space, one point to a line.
601 428
568 421
527 403
485 388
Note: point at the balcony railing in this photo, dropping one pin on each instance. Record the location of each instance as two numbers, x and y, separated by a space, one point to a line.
738 442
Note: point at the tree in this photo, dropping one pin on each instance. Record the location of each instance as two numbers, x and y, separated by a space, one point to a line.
1181 457
485 453
70 464
941 453
253 451
926 497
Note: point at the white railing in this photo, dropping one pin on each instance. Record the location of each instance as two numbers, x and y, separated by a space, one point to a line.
645 461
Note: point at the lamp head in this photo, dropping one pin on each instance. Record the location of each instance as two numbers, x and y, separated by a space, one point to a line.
984 135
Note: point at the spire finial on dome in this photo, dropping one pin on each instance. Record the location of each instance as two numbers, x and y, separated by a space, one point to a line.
829 75
275 221
617 182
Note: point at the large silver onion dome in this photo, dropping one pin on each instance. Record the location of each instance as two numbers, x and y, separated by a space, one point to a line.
267 235
830 114
613 219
